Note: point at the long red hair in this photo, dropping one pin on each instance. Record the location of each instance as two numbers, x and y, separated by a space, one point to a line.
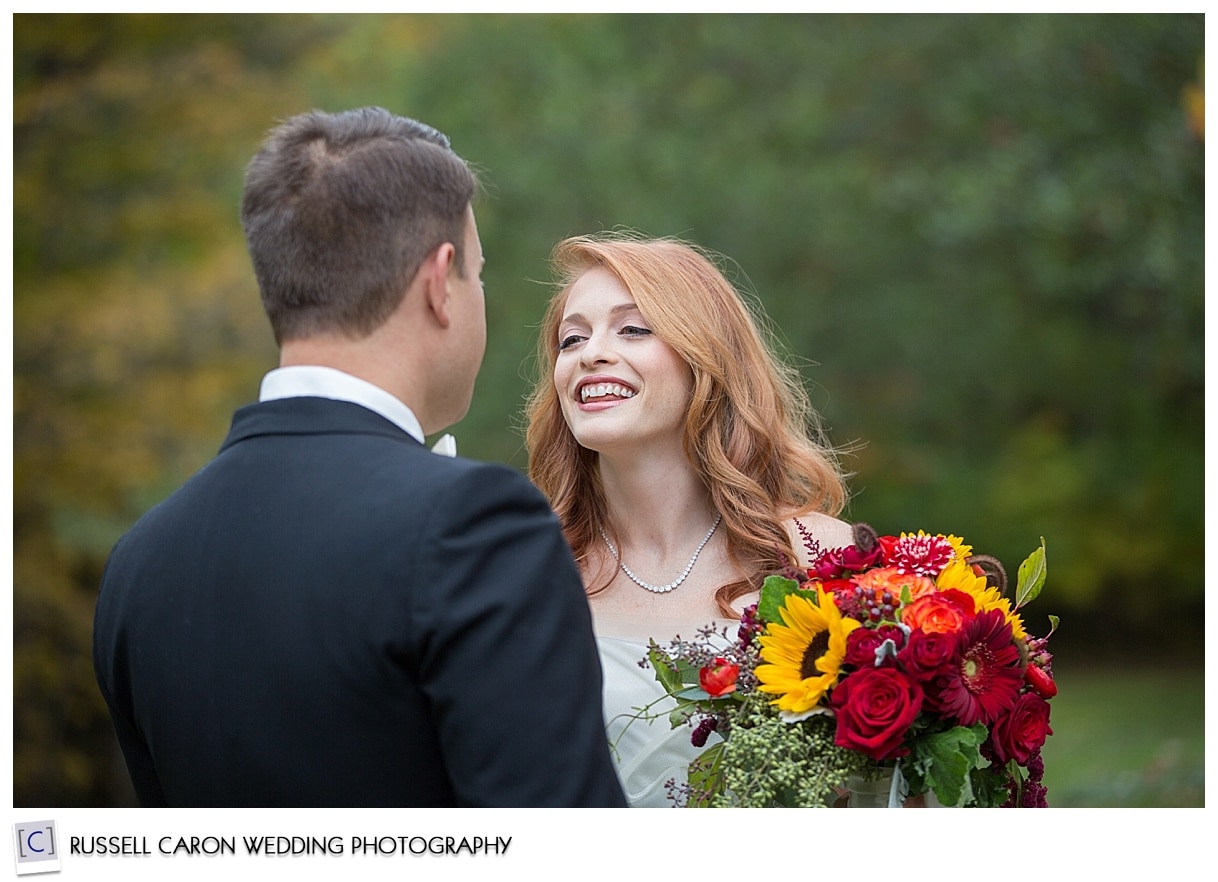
751 433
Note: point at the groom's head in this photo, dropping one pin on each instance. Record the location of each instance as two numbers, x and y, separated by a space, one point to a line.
341 209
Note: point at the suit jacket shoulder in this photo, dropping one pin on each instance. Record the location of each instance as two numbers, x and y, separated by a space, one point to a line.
329 614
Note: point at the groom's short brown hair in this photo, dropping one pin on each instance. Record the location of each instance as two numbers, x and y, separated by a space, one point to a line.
339 211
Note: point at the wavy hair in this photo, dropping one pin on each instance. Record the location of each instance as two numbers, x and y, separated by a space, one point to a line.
751 432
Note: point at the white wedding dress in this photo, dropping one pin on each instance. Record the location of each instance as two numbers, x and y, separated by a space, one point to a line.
648 752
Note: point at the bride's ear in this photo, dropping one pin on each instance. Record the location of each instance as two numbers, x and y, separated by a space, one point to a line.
433 277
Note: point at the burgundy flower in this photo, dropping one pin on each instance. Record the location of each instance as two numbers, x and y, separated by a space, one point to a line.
1021 732
983 681
923 555
703 731
863 642
875 708
855 560
750 626
838 562
828 566
927 653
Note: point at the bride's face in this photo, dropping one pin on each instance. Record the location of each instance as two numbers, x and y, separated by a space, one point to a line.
619 384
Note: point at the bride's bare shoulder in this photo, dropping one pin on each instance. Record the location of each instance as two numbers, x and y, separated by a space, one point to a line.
828 531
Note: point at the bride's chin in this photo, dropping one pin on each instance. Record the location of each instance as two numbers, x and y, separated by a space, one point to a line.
600 442
592 434
594 443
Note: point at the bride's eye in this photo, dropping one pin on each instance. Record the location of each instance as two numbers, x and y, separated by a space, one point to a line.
568 341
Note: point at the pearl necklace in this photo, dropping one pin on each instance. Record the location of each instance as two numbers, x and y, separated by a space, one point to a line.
662 589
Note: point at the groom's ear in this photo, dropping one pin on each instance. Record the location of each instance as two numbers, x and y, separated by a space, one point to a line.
433 278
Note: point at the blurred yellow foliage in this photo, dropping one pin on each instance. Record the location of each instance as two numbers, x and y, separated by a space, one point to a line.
1194 102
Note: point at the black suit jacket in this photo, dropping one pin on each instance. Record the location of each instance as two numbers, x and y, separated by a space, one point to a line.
328 614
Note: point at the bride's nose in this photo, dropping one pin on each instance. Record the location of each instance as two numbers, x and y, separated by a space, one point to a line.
597 350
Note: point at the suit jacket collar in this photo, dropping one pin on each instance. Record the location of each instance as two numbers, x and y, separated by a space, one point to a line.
311 416
319 381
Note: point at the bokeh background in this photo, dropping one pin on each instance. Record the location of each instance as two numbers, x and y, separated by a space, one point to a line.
980 237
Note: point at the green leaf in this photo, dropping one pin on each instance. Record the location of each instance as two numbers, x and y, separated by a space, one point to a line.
990 785
1032 574
774 592
694 700
942 762
706 776
668 671
679 716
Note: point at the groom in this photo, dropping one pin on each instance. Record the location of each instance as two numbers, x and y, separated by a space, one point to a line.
328 613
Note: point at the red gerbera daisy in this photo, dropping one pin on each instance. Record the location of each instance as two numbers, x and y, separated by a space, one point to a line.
987 679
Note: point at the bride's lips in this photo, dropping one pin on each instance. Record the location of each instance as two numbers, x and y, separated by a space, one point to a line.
601 392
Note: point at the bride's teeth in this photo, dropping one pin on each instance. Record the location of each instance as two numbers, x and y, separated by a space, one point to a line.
600 390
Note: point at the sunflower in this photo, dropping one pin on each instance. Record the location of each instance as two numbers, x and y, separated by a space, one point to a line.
963 551
960 575
803 654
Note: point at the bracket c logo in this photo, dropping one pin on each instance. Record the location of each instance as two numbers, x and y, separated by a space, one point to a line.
36 846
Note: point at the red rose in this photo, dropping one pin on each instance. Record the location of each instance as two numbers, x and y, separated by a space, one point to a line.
837 586
828 566
719 677
875 708
837 562
856 560
926 653
1022 731
862 643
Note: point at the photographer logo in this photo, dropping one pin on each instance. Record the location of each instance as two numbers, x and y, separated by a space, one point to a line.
36 847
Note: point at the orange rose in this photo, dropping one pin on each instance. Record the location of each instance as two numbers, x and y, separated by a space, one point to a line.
939 612
890 579
719 677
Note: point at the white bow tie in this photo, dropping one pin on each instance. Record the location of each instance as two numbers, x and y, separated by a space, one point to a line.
445 446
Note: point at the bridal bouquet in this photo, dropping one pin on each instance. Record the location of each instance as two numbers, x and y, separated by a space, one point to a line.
897 658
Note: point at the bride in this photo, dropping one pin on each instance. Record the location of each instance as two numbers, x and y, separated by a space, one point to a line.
683 460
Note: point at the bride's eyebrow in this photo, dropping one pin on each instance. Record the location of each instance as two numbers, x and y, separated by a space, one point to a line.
576 318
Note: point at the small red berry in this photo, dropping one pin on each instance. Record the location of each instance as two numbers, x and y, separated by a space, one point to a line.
1040 681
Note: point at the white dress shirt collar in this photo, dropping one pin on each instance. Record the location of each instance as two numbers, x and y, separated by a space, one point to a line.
315 381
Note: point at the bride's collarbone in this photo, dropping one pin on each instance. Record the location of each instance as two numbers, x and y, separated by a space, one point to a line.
693 598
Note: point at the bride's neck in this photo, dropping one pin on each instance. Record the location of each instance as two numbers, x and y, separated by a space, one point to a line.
657 502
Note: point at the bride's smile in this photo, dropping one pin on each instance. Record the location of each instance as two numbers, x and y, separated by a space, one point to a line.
600 392
617 381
